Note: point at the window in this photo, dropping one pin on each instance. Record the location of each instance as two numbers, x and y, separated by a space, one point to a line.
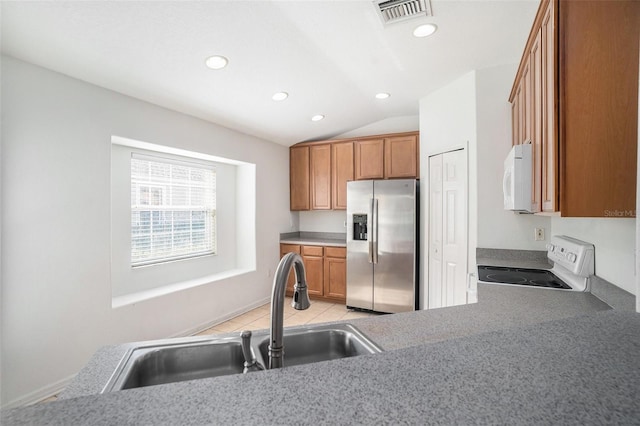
173 209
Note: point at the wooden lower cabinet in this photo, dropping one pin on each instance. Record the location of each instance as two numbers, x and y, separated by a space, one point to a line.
312 256
335 272
326 271
284 249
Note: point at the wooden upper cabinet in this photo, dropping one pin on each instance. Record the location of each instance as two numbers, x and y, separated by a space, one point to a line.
369 159
535 121
576 98
515 118
525 107
401 157
299 178
599 49
319 171
549 113
320 177
342 172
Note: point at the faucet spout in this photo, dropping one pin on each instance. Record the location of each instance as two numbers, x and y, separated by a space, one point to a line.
300 302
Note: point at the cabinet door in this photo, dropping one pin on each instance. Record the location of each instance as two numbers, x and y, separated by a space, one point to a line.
535 121
320 177
299 177
342 172
549 114
525 113
284 249
401 157
335 272
515 118
335 277
315 275
369 159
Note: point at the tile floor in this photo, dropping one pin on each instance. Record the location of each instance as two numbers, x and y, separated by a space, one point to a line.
259 318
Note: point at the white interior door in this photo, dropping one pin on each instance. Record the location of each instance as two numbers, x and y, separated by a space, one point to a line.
435 287
448 239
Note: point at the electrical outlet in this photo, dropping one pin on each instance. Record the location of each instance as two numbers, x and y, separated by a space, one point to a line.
539 234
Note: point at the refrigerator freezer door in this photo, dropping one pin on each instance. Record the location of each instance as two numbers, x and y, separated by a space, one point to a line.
359 255
395 273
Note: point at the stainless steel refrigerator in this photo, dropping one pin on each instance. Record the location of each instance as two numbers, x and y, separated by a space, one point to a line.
382 245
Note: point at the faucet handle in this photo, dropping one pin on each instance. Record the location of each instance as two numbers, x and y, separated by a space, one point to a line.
250 362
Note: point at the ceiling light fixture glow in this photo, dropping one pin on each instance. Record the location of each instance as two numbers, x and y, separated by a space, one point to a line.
317 117
382 95
216 62
280 96
425 30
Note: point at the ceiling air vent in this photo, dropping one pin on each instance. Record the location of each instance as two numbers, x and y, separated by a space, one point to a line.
398 10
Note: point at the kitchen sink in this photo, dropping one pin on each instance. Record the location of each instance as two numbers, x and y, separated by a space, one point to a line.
321 343
175 360
162 362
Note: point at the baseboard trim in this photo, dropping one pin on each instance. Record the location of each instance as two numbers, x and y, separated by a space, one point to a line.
205 325
41 394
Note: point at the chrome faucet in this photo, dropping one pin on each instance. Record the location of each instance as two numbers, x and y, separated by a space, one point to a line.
300 302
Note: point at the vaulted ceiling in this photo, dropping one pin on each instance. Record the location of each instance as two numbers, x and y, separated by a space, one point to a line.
331 57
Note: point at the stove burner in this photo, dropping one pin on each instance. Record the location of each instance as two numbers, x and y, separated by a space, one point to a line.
521 276
506 278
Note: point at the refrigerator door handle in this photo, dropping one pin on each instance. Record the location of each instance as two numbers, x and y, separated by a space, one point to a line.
370 231
375 230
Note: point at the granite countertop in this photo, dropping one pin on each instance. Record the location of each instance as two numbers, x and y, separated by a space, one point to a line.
327 242
519 356
330 239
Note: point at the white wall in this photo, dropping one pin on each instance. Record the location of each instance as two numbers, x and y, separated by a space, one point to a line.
323 221
404 123
499 228
56 293
447 122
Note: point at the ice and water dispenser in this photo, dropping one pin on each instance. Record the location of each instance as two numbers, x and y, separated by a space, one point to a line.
360 227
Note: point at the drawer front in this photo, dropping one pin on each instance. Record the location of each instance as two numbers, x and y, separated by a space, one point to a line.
289 248
312 251
340 252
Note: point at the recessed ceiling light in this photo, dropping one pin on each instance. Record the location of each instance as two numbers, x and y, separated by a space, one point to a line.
317 117
382 95
280 96
216 62
425 30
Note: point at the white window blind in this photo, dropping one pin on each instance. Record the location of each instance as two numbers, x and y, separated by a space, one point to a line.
173 209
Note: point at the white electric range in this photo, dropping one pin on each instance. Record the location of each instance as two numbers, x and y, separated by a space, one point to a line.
573 265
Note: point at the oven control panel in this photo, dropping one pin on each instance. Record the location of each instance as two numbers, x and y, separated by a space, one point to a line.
575 255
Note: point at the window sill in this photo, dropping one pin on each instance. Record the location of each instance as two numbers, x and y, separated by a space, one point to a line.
141 296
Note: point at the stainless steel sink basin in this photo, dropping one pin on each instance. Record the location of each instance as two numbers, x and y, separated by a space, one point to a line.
175 360
162 362
321 343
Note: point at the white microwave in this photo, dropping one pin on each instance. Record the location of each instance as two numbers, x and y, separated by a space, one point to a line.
517 179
